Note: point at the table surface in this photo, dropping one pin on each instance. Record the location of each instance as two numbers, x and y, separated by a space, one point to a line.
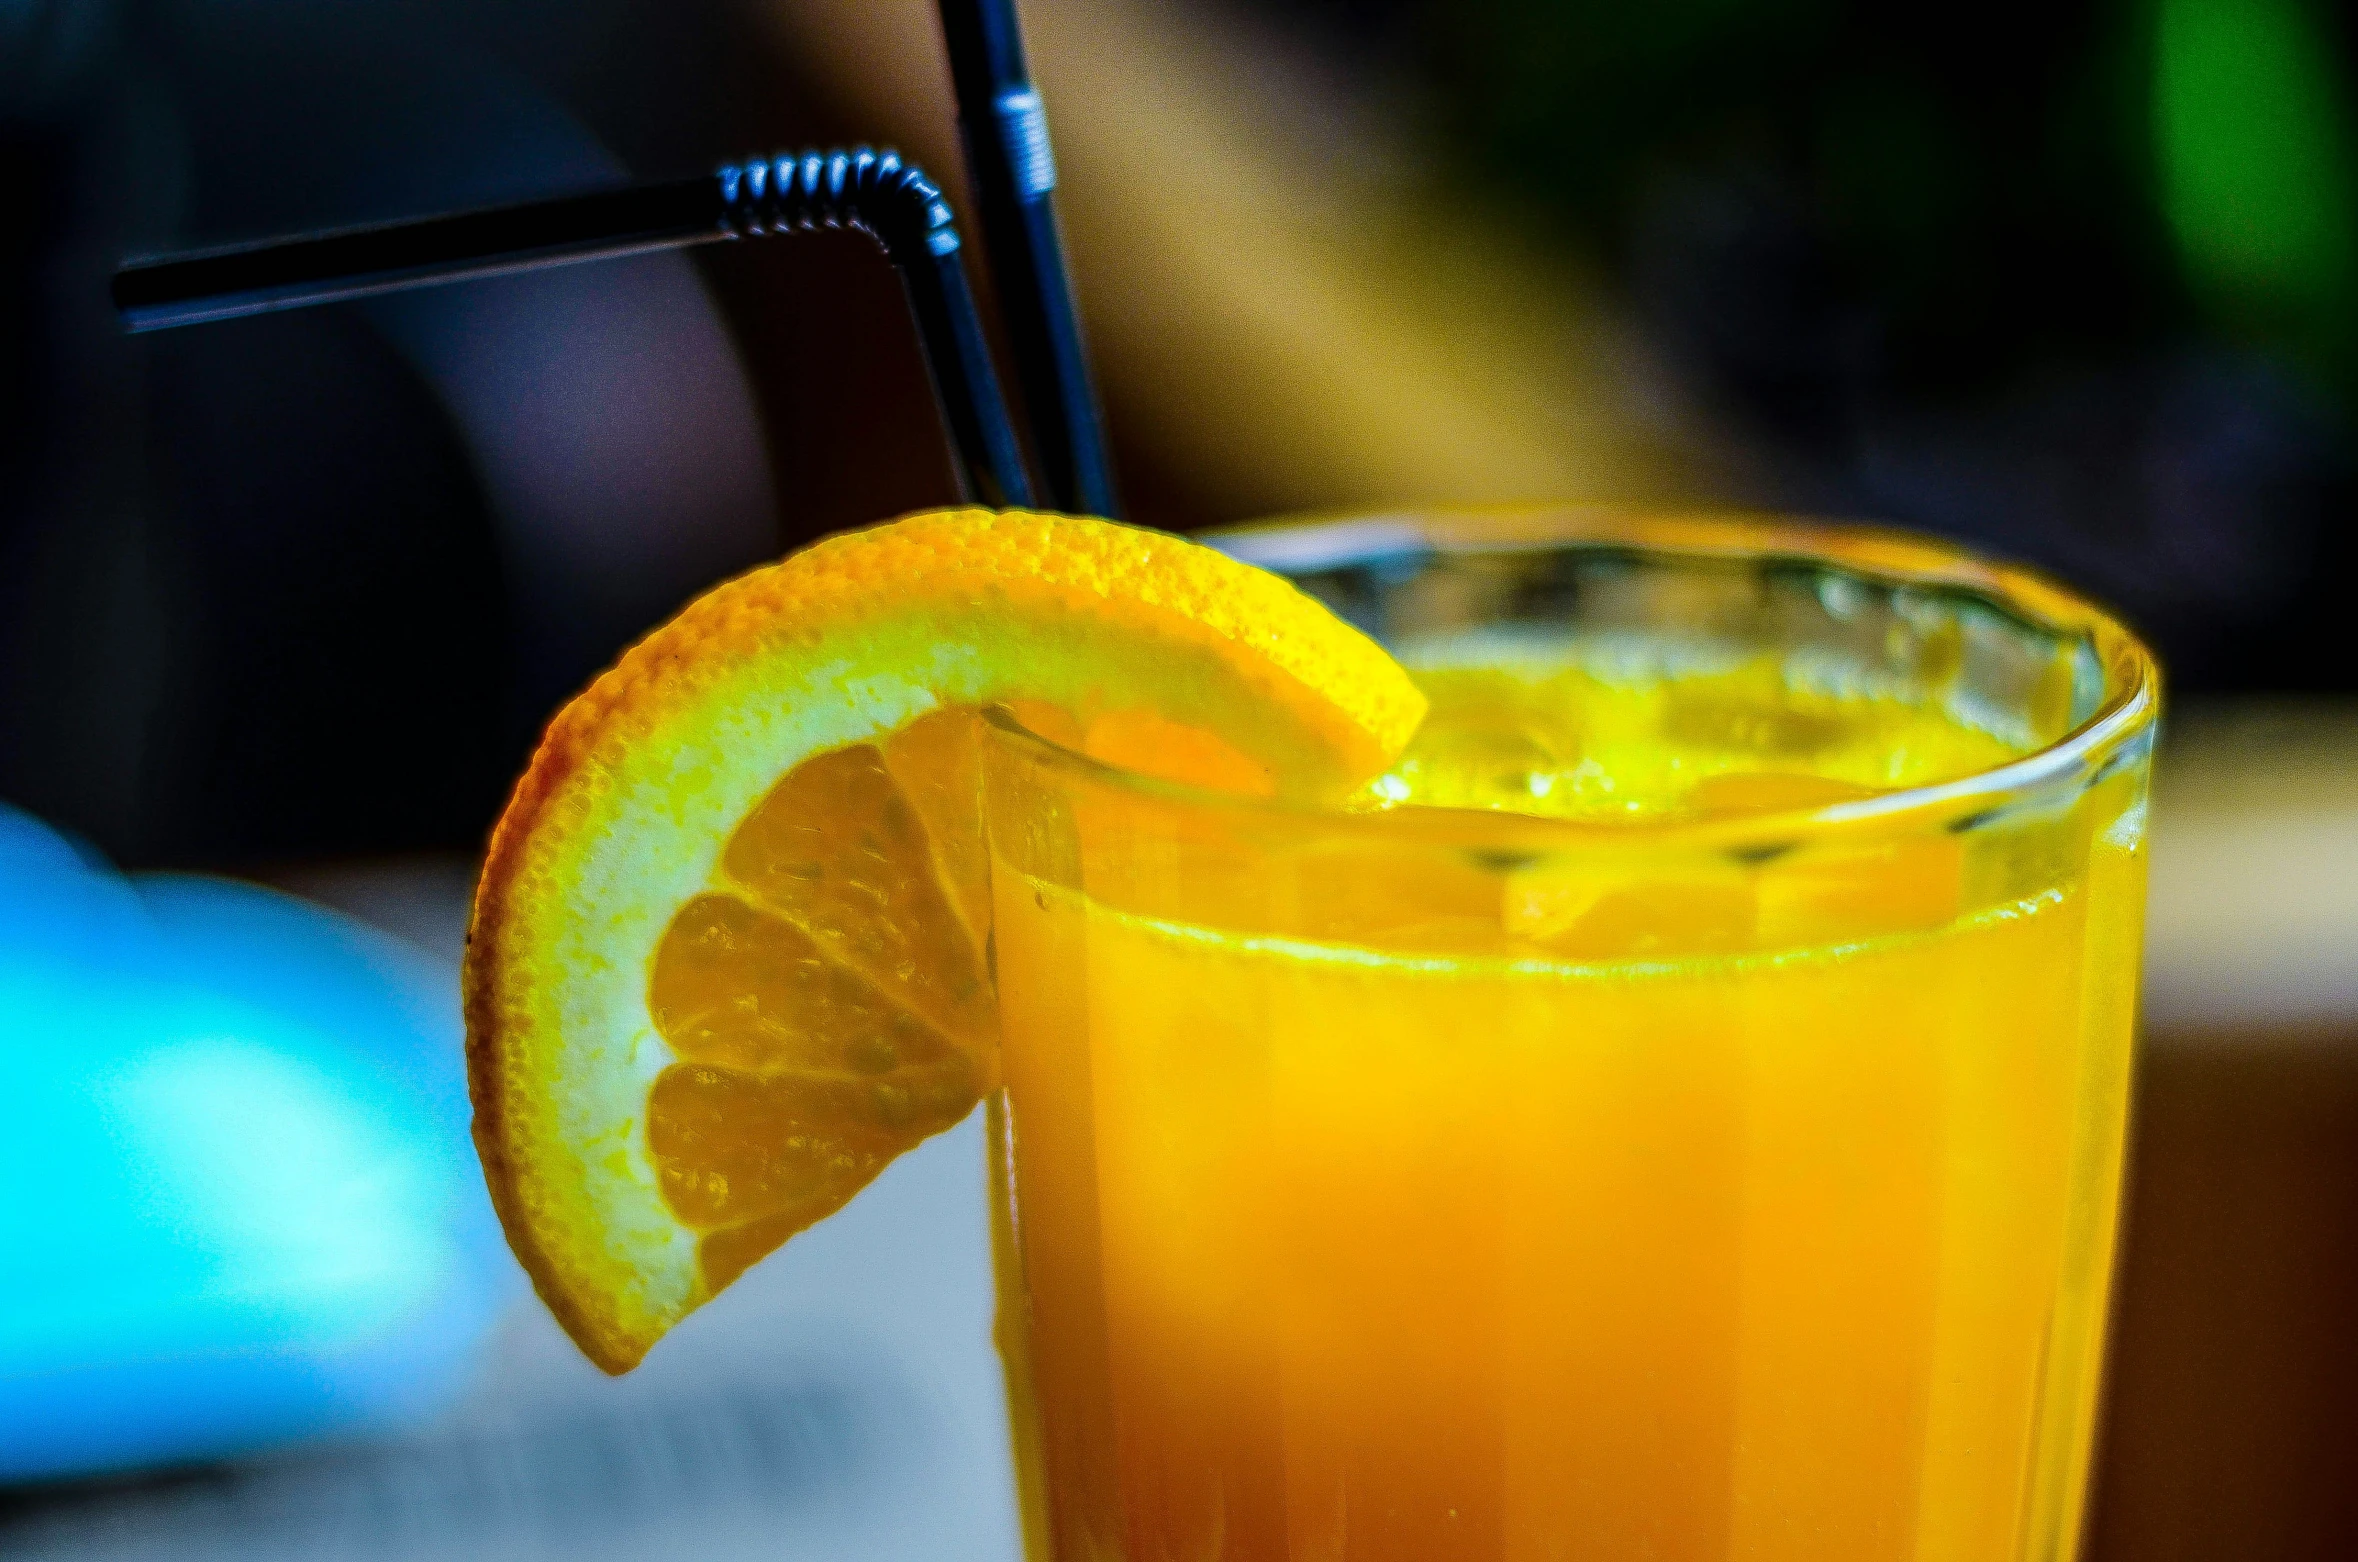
843 1400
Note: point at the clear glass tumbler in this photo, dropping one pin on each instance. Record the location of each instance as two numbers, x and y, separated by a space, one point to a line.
1724 1172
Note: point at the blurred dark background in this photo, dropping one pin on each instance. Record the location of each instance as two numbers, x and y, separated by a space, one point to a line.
2076 281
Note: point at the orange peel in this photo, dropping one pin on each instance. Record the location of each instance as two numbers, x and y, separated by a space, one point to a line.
724 959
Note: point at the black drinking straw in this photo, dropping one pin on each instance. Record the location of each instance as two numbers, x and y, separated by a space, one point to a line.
875 192
1014 174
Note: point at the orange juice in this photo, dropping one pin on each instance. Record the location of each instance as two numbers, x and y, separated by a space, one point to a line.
1699 1171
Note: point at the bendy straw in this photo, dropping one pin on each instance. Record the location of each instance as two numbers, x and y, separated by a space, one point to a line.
875 192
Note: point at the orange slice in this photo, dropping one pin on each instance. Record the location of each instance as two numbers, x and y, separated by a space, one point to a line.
725 959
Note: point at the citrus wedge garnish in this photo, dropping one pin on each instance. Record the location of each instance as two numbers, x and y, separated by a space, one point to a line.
726 958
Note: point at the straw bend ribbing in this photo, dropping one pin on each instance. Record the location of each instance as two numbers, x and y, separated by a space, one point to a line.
874 192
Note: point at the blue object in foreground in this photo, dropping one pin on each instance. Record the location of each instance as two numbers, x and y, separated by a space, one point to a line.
240 1207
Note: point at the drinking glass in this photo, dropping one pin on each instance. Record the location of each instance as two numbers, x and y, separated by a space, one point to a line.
1732 1180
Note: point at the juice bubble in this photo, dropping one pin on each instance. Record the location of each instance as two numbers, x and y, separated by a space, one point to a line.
1562 740
1491 740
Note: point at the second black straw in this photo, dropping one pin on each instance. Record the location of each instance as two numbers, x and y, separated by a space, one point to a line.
1014 175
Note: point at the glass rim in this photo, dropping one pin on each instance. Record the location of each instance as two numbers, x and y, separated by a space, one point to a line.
2127 709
